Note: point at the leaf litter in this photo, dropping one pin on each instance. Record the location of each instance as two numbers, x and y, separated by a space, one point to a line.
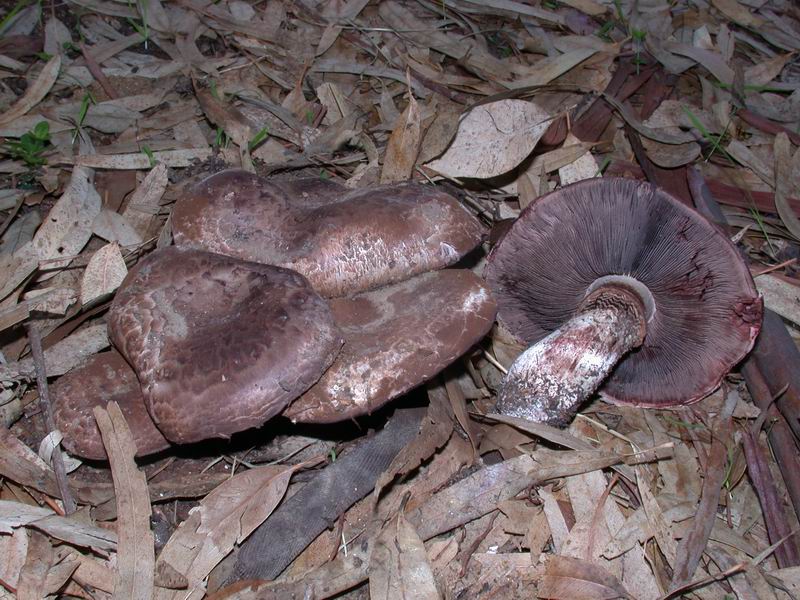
498 102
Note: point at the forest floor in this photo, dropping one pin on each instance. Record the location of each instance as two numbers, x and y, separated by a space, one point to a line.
110 111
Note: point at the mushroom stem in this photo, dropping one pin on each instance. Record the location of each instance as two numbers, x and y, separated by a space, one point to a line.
551 379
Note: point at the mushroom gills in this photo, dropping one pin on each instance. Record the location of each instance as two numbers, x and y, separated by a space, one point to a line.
552 378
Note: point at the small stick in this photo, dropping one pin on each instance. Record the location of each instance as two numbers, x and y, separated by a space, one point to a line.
35 339
785 263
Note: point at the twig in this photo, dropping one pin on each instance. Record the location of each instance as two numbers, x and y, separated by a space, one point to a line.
780 436
785 263
774 516
35 339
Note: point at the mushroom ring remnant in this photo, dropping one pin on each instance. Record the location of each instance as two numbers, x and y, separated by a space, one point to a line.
344 241
613 281
219 344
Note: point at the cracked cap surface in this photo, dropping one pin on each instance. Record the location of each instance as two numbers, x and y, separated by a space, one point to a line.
219 345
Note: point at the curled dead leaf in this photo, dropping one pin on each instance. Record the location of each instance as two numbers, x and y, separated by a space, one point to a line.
492 139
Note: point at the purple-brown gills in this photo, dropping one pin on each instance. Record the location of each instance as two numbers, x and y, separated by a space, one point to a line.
230 327
617 286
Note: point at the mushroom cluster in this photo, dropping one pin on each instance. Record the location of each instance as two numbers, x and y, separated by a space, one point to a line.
614 282
298 294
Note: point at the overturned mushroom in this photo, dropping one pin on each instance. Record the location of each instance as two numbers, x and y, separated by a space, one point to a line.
343 241
102 379
219 345
616 276
395 338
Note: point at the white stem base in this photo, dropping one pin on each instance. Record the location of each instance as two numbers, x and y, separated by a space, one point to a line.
551 379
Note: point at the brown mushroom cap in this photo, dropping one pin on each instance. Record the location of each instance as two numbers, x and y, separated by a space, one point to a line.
707 312
343 242
102 379
219 345
396 338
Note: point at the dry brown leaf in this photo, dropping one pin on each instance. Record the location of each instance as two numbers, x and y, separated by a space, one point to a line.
68 225
590 7
738 13
94 573
103 274
787 579
56 37
544 431
633 120
399 567
548 162
135 550
401 153
712 61
35 92
61 356
668 118
227 116
53 300
328 38
295 101
19 233
113 227
786 167
753 160
17 514
765 71
325 65
224 518
144 203
492 139
113 9
552 67
13 549
518 7
38 562
17 267
111 116
140 161
424 34
58 577
583 167
659 525
573 579
435 429
780 296
336 105
19 127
